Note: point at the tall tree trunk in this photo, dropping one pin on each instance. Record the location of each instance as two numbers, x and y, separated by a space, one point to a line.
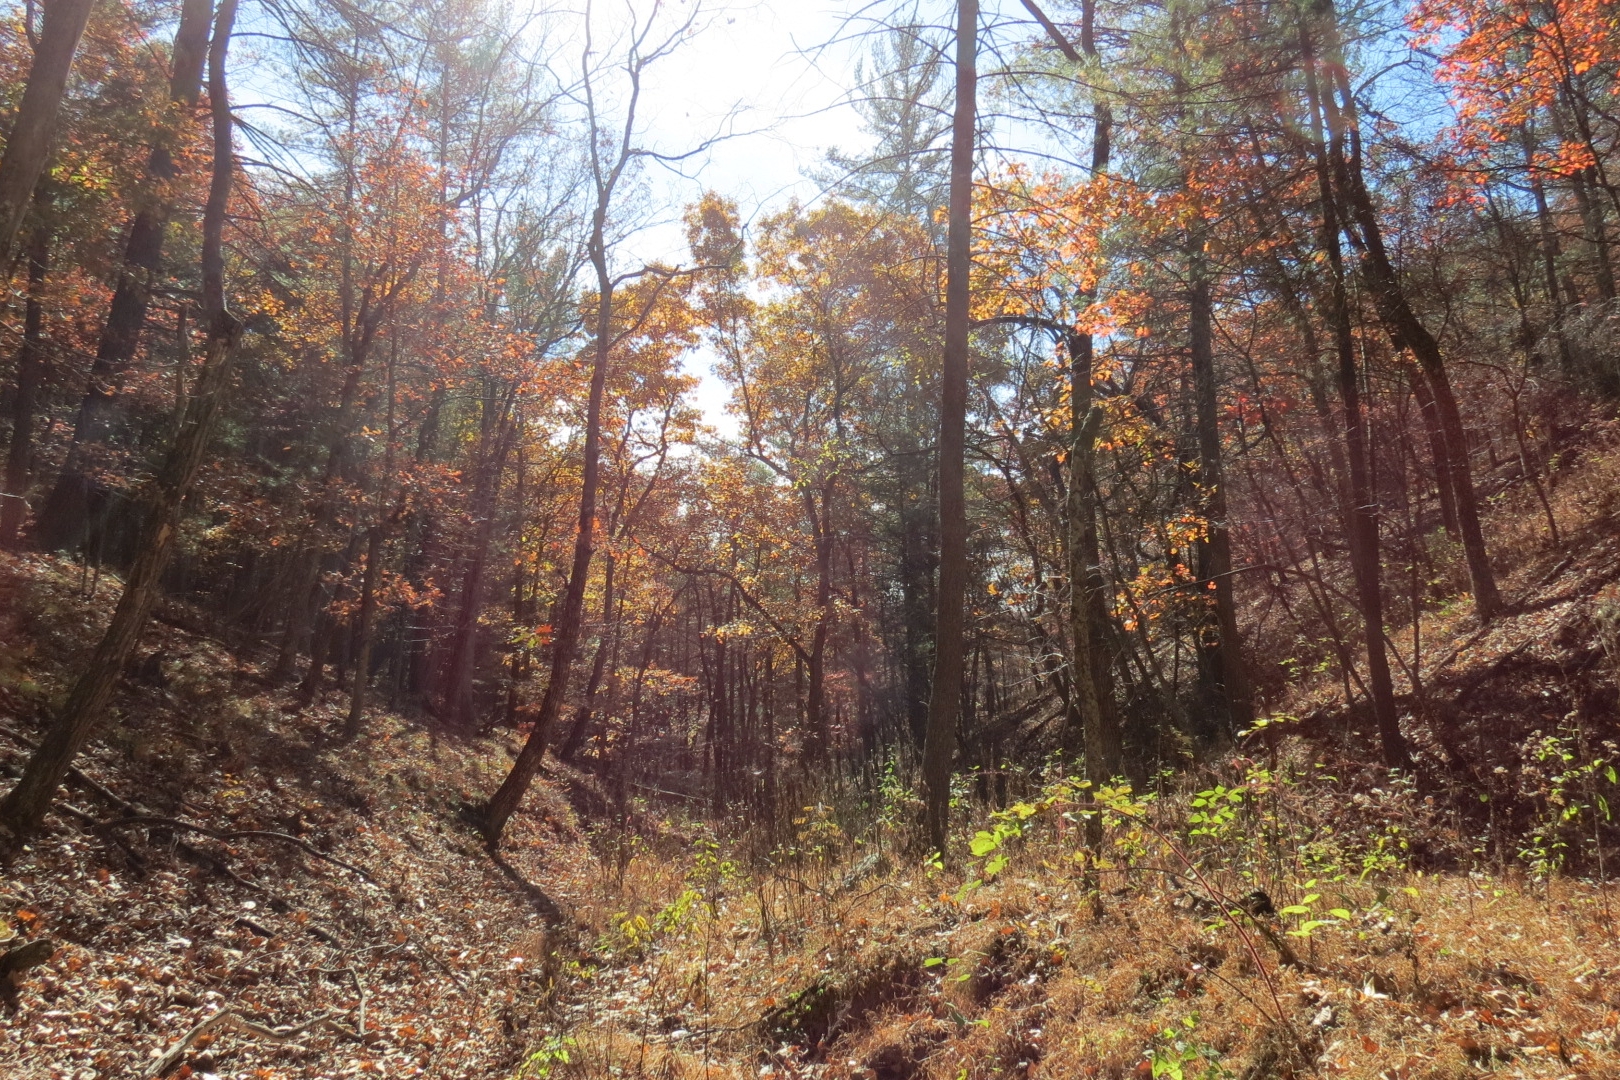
30 369
496 443
1401 322
24 807
945 701
1099 729
815 710
916 589
28 143
364 632
63 518
1215 551
1547 233
1361 513
1596 232
306 620
593 684
606 173
1430 414
1088 618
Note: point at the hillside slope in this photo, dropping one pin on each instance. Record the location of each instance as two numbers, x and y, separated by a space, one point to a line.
334 884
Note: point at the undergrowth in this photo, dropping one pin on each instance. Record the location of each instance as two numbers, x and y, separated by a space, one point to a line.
1260 921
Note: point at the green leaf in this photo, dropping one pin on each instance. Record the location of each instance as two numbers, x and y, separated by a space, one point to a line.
933 961
1340 913
983 843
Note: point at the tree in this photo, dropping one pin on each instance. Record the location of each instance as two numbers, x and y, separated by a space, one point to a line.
62 522
945 701
24 807
1361 512
28 143
613 152
30 369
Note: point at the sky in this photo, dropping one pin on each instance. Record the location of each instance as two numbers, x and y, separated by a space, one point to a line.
781 68
782 71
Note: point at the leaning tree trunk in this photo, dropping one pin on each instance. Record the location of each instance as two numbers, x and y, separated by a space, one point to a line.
28 144
25 805
570 615
1361 512
1401 322
945 701
63 519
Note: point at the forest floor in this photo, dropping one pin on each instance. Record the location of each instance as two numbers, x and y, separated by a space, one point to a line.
334 885
328 911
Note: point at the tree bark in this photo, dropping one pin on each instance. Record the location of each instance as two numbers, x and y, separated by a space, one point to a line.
1088 618
945 701
24 807
494 446
1099 729
30 370
815 710
28 144
1430 413
354 723
1215 551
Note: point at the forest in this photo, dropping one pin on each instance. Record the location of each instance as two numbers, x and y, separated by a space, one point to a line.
1114 573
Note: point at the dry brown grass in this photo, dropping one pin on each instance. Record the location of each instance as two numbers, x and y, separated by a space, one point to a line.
913 975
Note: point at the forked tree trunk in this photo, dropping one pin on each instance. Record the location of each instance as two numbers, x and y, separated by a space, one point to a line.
1361 511
1401 322
945 701
24 807
570 614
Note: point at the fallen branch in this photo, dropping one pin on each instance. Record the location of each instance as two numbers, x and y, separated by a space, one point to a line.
278 904
360 1011
78 776
230 1018
226 836
433 956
